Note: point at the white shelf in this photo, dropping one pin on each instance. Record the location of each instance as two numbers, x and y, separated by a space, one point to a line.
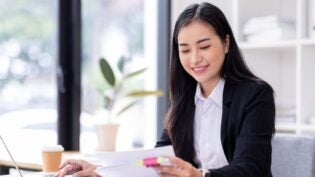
267 45
308 128
286 127
308 42
287 65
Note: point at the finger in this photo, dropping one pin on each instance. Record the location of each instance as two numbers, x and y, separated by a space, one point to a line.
58 174
87 172
65 171
64 163
168 170
166 175
67 162
61 173
177 162
185 168
76 163
69 169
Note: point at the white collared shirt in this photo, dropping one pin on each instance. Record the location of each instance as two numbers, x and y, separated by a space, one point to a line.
207 128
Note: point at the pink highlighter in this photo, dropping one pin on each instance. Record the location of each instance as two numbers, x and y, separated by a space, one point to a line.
154 162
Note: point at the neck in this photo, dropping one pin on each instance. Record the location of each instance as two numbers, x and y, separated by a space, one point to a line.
207 88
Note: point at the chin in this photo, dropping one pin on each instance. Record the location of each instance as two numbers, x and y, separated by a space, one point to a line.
208 79
201 80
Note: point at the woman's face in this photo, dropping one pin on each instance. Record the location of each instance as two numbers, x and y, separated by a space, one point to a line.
202 52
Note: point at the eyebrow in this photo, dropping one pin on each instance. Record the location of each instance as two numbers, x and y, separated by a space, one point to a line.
199 41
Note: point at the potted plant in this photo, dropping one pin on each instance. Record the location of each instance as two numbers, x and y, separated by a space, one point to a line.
107 131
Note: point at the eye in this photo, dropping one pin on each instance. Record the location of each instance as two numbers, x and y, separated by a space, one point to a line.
205 47
185 51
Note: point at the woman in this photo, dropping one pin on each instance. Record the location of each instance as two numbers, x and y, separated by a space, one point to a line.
221 116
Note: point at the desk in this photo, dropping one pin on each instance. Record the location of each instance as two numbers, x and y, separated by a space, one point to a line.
32 164
25 175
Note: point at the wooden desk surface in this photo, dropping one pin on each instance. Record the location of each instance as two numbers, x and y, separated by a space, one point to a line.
23 165
35 174
35 163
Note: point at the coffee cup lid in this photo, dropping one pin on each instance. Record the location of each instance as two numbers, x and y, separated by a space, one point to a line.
52 148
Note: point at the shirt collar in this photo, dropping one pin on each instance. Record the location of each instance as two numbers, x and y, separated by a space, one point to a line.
216 95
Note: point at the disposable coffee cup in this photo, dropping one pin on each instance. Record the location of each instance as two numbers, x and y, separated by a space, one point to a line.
52 158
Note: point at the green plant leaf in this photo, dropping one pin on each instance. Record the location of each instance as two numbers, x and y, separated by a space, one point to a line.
107 71
127 107
135 73
142 93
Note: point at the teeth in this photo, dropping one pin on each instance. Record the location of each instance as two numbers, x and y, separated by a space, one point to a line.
199 68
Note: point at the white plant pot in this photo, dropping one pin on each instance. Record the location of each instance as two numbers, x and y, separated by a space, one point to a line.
106 136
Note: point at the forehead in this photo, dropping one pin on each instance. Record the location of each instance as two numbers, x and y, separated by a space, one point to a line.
194 31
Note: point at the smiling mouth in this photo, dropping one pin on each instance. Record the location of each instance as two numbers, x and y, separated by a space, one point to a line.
200 69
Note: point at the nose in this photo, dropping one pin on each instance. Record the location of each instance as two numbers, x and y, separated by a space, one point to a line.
195 57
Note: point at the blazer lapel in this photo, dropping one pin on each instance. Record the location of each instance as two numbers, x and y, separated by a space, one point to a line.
228 93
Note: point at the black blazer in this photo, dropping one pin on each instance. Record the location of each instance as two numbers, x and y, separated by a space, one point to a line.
246 130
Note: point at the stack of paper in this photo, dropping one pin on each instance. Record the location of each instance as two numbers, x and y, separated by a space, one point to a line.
122 164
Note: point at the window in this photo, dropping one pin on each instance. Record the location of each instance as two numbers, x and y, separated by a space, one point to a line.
28 43
27 71
114 29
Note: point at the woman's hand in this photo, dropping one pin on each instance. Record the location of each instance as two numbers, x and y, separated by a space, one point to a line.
78 168
179 168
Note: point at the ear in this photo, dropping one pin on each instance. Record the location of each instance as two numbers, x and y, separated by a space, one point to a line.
227 43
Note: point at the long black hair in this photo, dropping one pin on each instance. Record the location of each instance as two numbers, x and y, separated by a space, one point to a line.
179 121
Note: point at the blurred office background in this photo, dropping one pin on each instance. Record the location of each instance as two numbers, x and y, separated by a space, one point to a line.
277 38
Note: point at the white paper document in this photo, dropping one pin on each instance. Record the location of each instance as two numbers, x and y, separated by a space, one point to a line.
123 164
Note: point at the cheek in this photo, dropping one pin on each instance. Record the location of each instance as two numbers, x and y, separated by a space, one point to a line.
219 62
216 56
184 60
